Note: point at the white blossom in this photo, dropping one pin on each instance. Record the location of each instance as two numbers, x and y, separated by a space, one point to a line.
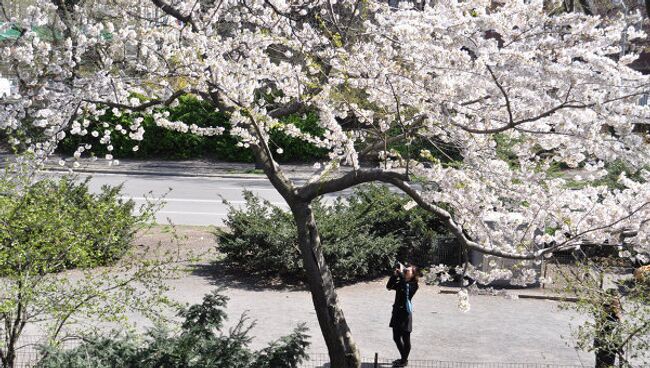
512 110
463 301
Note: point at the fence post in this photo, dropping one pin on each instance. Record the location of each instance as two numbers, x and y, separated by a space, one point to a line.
376 365
544 270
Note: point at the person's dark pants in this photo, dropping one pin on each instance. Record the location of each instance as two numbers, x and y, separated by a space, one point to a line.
403 341
605 358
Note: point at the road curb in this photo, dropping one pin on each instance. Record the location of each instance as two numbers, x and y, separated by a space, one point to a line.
558 298
182 169
156 173
165 173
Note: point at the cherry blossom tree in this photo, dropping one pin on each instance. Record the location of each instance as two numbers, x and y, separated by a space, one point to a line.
514 92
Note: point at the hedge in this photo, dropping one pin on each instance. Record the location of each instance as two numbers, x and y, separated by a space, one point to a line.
161 143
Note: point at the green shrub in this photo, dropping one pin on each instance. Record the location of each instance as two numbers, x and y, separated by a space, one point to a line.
99 352
362 236
261 238
51 225
201 342
162 143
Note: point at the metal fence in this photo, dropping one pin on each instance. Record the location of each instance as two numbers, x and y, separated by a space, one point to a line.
29 355
29 349
322 361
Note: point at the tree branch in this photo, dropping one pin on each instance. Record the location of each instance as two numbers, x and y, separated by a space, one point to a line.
312 190
567 242
452 226
503 92
379 144
587 7
143 106
288 109
170 10
564 105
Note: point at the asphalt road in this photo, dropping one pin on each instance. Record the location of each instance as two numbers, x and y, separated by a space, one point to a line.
190 200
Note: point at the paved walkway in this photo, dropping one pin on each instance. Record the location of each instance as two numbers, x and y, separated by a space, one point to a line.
496 329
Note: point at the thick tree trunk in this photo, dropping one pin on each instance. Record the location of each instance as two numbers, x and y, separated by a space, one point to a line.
587 7
569 5
343 351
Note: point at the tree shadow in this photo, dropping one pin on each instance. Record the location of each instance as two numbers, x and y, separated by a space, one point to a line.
221 274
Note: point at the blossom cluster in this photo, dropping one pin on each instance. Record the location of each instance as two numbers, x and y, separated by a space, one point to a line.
514 92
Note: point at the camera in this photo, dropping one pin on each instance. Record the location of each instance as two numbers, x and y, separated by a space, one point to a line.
399 266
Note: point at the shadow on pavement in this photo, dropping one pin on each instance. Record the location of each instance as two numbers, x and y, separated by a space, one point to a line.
220 275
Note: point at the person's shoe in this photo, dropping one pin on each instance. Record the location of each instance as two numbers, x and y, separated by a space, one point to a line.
396 362
400 363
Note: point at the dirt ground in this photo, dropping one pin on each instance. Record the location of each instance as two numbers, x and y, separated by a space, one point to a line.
199 240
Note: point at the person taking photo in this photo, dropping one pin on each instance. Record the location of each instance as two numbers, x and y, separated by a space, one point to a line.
405 283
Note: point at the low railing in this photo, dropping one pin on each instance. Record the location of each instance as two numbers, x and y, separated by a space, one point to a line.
322 361
29 354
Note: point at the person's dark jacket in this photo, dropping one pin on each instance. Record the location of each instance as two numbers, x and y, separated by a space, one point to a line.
401 318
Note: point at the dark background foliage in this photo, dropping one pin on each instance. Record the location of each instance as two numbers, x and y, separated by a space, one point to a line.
161 143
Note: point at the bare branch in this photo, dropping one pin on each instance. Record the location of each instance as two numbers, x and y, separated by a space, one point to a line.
452 226
563 106
288 109
312 190
170 10
503 92
417 124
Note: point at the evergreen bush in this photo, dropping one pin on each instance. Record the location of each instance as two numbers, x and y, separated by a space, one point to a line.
199 343
362 235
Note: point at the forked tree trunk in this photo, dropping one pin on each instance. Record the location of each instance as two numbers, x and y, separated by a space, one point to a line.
342 350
